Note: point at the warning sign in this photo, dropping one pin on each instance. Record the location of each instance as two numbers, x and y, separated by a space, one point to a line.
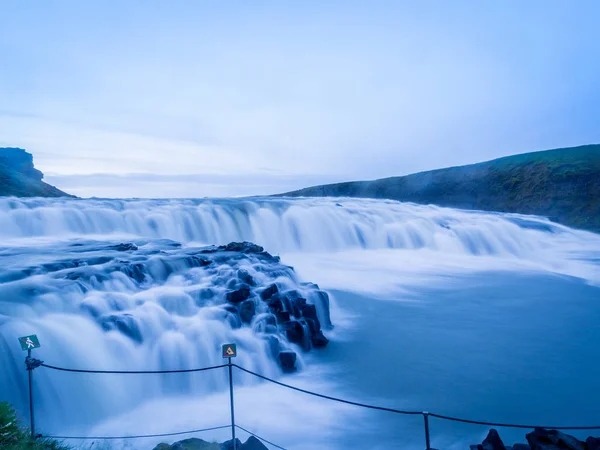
29 342
229 351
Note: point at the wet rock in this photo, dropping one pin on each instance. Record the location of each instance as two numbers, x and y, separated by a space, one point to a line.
282 317
319 340
491 442
125 323
309 312
197 261
592 443
287 360
124 247
542 439
239 295
253 444
519 447
247 310
275 304
242 247
228 445
267 293
135 271
245 277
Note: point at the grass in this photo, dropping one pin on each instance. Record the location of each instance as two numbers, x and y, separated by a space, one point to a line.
13 436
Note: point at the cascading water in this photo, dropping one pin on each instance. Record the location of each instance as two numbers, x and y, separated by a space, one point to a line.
122 284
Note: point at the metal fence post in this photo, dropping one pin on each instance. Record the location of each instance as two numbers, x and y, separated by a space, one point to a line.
426 418
231 403
30 373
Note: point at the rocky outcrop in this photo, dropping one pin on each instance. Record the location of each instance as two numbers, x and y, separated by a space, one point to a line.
247 287
539 439
198 444
19 178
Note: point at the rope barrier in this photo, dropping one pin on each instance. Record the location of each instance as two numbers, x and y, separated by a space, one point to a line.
315 394
138 436
261 438
328 397
129 372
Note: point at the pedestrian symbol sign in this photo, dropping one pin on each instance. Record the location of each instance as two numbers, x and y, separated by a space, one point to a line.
29 342
229 351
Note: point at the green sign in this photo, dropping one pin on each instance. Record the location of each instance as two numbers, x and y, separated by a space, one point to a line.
229 351
29 342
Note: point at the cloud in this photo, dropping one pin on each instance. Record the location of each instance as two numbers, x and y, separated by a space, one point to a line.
338 90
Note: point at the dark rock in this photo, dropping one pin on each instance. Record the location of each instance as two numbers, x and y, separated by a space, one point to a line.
310 312
492 442
247 310
135 271
228 445
520 447
162 446
542 439
197 261
242 247
267 293
294 331
245 277
239 295
592 443
124 247
319 340
195 444
125 323
253 444
275 304
287 360
282 317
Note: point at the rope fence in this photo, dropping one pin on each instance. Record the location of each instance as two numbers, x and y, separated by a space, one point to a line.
33 363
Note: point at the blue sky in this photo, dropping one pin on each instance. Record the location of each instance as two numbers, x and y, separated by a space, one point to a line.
242 98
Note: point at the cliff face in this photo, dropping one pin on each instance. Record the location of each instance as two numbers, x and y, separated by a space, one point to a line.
19 178
562 184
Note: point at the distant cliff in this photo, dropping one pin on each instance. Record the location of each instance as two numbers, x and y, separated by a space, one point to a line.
20 178
562 184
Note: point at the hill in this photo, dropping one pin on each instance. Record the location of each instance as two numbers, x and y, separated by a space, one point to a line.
18 176
561 184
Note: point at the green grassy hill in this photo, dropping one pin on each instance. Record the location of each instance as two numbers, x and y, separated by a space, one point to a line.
562 184
18 177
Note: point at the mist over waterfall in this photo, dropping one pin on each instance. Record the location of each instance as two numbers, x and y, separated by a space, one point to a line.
143 285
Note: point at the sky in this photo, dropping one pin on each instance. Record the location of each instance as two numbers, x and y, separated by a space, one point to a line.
212 99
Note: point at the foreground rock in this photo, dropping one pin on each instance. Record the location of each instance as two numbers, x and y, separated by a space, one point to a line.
198 444
539 439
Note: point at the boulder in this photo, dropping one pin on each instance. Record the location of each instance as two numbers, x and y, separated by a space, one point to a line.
124 247
542 439
520 447
245 277
125 323
319 340
239 295
228 445
287 360
592 443
275 304
492 442
242 247
253 444
268 292
247 310
189 444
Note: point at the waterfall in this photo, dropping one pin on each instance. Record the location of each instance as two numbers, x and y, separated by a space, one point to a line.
118 284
